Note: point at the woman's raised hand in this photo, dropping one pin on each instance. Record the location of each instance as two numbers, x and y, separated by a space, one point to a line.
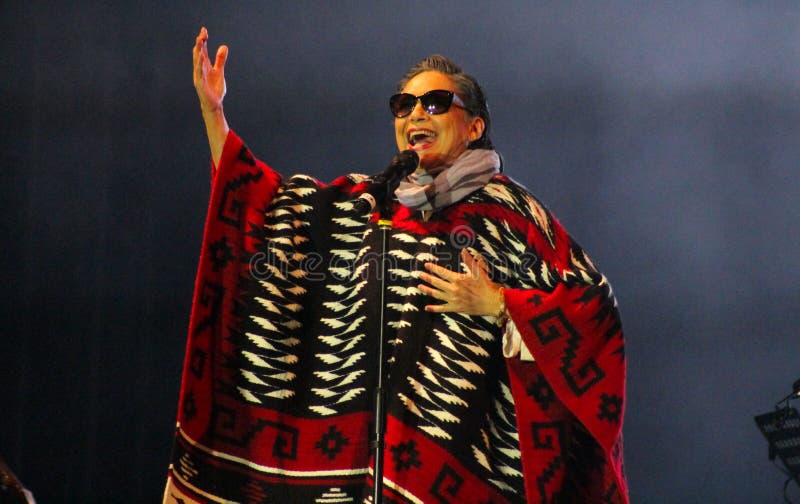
209 81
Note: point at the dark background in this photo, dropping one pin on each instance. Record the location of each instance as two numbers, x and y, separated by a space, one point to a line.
663 135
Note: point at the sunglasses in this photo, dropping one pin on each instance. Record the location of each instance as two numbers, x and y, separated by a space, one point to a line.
434 102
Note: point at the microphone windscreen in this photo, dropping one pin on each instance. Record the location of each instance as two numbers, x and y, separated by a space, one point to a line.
406 162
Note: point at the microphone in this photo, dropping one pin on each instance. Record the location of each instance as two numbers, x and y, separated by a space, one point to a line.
384 183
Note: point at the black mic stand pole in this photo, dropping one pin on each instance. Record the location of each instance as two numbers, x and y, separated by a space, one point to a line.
384 224
379 194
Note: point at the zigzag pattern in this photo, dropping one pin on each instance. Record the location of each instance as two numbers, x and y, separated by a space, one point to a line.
500 452
341 368
270 352
505 248
267 358
450 375
451 372
456 359
281 359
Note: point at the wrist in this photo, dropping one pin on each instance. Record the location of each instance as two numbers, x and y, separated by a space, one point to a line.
501 314
212 112
217 131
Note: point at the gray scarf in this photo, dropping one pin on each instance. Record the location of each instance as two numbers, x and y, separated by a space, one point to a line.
443 186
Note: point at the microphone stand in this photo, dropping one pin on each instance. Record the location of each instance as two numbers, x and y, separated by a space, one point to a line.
384 224
378 194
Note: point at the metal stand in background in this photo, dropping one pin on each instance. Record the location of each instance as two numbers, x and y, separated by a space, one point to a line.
782 430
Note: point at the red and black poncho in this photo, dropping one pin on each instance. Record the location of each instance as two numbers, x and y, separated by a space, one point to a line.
276 399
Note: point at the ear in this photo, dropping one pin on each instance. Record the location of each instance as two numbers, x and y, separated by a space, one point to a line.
476 126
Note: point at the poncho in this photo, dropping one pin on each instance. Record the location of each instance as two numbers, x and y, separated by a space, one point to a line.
276 400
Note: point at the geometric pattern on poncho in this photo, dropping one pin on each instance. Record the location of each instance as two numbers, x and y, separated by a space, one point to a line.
276 400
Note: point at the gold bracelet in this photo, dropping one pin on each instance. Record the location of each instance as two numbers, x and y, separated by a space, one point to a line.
502 314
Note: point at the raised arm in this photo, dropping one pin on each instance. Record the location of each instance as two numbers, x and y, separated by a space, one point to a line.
209 81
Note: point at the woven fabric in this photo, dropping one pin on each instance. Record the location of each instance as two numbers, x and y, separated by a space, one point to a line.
277 392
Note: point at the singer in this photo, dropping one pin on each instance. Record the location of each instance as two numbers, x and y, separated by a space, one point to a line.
505 362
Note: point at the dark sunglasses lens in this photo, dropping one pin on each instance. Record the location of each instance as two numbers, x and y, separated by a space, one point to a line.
437 102
402 104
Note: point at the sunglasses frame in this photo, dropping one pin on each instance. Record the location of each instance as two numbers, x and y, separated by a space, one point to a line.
454 99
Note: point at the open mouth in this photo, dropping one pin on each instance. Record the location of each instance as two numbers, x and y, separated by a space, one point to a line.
420 136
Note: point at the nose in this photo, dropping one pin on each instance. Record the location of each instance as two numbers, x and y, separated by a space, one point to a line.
418 113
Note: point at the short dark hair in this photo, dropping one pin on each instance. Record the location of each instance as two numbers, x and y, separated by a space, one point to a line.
468 90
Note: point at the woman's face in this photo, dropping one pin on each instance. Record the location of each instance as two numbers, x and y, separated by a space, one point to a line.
440 138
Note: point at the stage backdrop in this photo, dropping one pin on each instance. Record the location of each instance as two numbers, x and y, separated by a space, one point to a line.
665 137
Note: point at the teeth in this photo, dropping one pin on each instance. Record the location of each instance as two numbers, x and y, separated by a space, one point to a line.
418 135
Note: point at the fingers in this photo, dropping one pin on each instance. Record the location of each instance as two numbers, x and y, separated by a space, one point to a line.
473 265
222 57
471 292
447 306
200 54
442 272
436 281
200 41
476 264
439 308
463 292
430 291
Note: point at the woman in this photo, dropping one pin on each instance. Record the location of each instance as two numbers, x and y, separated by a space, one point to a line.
505 366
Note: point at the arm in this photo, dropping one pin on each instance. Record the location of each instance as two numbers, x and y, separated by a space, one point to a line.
209 81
